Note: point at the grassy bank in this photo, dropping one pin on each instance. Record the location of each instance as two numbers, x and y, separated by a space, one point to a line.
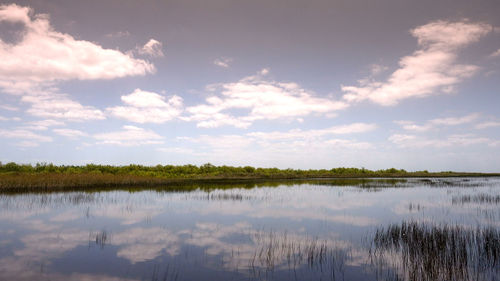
45 177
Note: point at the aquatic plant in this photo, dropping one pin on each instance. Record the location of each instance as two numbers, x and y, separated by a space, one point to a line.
420 251
323 259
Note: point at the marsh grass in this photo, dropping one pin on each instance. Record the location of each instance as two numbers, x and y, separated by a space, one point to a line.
438 252
45 177
56 182
322 259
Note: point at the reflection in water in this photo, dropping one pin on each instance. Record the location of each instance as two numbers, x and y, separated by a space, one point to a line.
99 239
414 207
341 229
221 197
37 201
476 198
320 259
439 252
167 274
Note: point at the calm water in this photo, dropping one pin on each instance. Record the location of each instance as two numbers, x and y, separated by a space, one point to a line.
405 229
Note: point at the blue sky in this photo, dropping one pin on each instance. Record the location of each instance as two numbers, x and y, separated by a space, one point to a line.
316 84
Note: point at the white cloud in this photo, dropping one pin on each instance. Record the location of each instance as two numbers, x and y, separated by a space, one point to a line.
431 124
44 56
3 118
452 121
29 138
431 69
263 100
42 245
376 69
148 107
54 105
411 126
70 133
496 53
286 147
143 244
309 141
27 144
299 134
8 107
338 144
42 125
14 13
118 34
152 48
176 150
129 136
223 142
490 124
413 141
223 62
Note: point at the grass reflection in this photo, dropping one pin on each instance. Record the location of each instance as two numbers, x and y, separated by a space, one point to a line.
278 251
100 239
420 251
476 198
368 184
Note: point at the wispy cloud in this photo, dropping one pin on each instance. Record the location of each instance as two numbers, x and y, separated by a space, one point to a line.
452 121
281 145
42 125
301 134
489 124
448 121
223 62
176 150
496 53
70 133
222 143
118 34
414 141
8 107
262 99
376 69
27 137
129 136
133 247
55 105
3 118
152 48
430 70
147 107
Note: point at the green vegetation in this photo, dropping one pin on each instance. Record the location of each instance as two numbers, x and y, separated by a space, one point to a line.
18 177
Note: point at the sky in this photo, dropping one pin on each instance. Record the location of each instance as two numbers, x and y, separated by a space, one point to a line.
287 84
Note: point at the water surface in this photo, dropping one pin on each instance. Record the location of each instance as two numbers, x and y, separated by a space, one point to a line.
394 229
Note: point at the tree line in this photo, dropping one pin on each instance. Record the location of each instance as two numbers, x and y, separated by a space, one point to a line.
183 171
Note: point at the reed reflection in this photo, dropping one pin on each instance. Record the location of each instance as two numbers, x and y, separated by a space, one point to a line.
423 251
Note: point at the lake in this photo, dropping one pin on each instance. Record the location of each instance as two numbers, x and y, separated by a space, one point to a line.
344 229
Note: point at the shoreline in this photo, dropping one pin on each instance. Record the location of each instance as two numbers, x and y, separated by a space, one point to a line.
47 182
